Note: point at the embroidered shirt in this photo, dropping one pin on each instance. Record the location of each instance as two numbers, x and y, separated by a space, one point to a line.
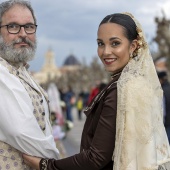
19 126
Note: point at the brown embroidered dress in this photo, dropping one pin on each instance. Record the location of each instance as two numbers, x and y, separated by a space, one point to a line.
98 137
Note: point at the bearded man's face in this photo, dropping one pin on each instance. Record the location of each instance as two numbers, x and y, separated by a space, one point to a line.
21 46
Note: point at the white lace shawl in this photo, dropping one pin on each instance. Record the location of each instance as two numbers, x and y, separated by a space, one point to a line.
141 140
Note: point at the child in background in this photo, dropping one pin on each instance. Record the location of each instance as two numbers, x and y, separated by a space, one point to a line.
79 106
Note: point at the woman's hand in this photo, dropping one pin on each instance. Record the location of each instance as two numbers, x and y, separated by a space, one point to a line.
32 161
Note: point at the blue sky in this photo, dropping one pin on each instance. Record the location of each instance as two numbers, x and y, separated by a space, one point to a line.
70 26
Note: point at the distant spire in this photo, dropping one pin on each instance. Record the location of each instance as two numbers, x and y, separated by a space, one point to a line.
163 13
50 58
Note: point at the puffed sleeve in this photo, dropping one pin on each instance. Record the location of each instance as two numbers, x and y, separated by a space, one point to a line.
18 125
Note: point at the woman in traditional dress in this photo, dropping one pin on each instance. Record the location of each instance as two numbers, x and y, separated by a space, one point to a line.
124 127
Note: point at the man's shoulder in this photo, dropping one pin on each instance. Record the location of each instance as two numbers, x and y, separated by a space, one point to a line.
3 68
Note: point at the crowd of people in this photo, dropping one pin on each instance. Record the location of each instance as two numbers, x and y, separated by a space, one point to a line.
63 101
127 119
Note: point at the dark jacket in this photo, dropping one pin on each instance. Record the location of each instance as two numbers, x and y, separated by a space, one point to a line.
166 90
98 137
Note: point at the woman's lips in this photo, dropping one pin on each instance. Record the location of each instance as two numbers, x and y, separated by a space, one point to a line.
109 61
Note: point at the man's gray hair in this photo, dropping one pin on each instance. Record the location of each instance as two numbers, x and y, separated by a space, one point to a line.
5 6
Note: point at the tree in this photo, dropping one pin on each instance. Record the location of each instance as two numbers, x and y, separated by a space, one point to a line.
163 38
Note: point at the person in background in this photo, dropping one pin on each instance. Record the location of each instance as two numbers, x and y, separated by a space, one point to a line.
102 86
94 91
55 104
85 95
69 99
56 112
124 127
163 77
24 114
79 106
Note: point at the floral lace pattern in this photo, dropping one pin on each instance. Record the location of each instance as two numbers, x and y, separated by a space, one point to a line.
141 140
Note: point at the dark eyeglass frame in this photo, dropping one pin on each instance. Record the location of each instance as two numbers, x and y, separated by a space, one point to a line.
19 28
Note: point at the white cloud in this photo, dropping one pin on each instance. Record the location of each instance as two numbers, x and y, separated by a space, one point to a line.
166 7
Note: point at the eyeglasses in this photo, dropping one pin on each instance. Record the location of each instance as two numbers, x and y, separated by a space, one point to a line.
15 28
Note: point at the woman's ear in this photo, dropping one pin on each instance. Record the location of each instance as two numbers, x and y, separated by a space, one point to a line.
133 46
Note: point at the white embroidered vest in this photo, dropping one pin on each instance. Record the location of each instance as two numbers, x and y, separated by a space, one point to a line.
10 158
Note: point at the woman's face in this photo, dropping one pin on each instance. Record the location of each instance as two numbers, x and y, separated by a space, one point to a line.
114 48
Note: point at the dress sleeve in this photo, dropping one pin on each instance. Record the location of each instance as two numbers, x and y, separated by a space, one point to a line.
102 147
18 125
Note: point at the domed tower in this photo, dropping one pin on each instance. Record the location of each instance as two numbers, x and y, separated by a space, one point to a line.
49 71
71 63
49 60
71 60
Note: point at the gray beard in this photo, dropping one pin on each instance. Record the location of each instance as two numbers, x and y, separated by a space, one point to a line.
17 55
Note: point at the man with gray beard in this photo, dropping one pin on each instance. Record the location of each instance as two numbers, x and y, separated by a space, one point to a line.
24 111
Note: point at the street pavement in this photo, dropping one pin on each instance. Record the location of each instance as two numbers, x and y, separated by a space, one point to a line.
70 145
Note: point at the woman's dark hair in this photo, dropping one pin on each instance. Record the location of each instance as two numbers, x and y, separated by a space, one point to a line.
125 21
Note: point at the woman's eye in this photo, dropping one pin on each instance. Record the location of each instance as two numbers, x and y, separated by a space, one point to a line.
99 43
115 43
